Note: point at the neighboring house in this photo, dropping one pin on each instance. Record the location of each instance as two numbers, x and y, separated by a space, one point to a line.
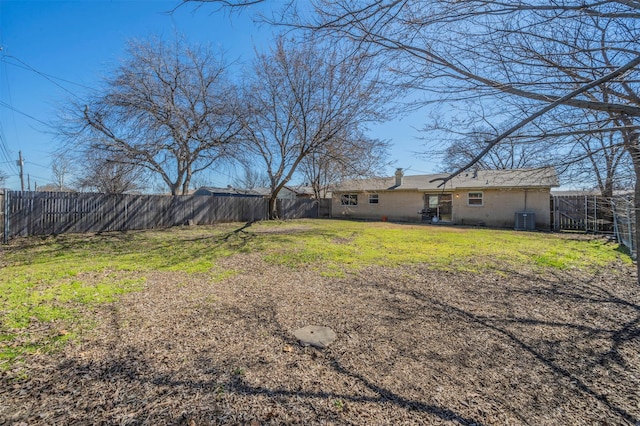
500 198
305 191
291 192
284 194
576 193
227 192
51 187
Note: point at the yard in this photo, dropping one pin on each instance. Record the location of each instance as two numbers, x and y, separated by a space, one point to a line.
435 325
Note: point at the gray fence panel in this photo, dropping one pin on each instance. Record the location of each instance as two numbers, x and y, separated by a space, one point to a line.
200 214
20 213
297 209
255 209
49 213
3 207
324 208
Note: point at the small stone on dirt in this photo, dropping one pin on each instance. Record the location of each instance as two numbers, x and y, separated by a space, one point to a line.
315 335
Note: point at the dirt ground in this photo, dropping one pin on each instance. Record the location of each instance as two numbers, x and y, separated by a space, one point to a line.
414 346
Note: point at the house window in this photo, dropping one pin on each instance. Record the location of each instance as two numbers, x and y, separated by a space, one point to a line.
373 199
349 200
475 199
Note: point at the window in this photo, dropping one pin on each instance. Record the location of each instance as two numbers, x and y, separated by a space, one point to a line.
475 199
433 201
349 200
373 199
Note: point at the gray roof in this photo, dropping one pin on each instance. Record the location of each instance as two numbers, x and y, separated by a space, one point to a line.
297 189
294 190
576 192
513 178
207 190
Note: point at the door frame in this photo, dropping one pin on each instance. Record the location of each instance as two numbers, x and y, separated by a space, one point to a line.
438 210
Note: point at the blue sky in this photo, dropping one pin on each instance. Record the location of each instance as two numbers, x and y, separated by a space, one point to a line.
52 51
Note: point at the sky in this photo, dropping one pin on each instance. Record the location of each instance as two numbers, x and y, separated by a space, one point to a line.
53 52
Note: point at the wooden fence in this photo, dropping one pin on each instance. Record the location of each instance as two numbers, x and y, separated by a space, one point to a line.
50 213
2 216
589 213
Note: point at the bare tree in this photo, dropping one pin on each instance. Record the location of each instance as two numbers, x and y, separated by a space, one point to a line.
109 175
561 57
510 154
558 56
251 178
221 4
591 152
61 167
168 108
343 159
3 178
301 99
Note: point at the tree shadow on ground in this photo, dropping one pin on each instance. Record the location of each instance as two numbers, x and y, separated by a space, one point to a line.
147 391
572 339
569 349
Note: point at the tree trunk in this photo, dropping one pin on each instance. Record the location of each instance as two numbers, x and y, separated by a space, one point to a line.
636 206
273 207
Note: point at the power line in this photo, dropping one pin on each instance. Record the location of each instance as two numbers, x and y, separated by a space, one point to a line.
6 105
3 147
5 154
13 116
36 164
42 74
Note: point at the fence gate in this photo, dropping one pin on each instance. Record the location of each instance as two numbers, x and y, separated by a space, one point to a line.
588 213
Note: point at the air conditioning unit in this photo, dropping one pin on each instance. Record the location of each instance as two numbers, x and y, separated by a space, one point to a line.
525 221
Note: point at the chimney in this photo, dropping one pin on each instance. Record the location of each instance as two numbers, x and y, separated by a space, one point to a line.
399 174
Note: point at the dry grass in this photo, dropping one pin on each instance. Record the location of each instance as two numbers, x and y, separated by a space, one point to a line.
415 346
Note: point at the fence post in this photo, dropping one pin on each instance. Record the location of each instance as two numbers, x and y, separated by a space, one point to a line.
616 229
630 227
595 214
5 217
586 214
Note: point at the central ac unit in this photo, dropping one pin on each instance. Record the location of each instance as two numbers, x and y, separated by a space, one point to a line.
525 221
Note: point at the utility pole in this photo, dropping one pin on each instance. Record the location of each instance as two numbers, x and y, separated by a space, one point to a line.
20 164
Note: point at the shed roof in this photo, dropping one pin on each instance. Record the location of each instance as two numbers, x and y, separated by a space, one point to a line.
482 179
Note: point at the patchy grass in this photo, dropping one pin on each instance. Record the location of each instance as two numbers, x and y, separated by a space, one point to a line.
46 283
340 246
